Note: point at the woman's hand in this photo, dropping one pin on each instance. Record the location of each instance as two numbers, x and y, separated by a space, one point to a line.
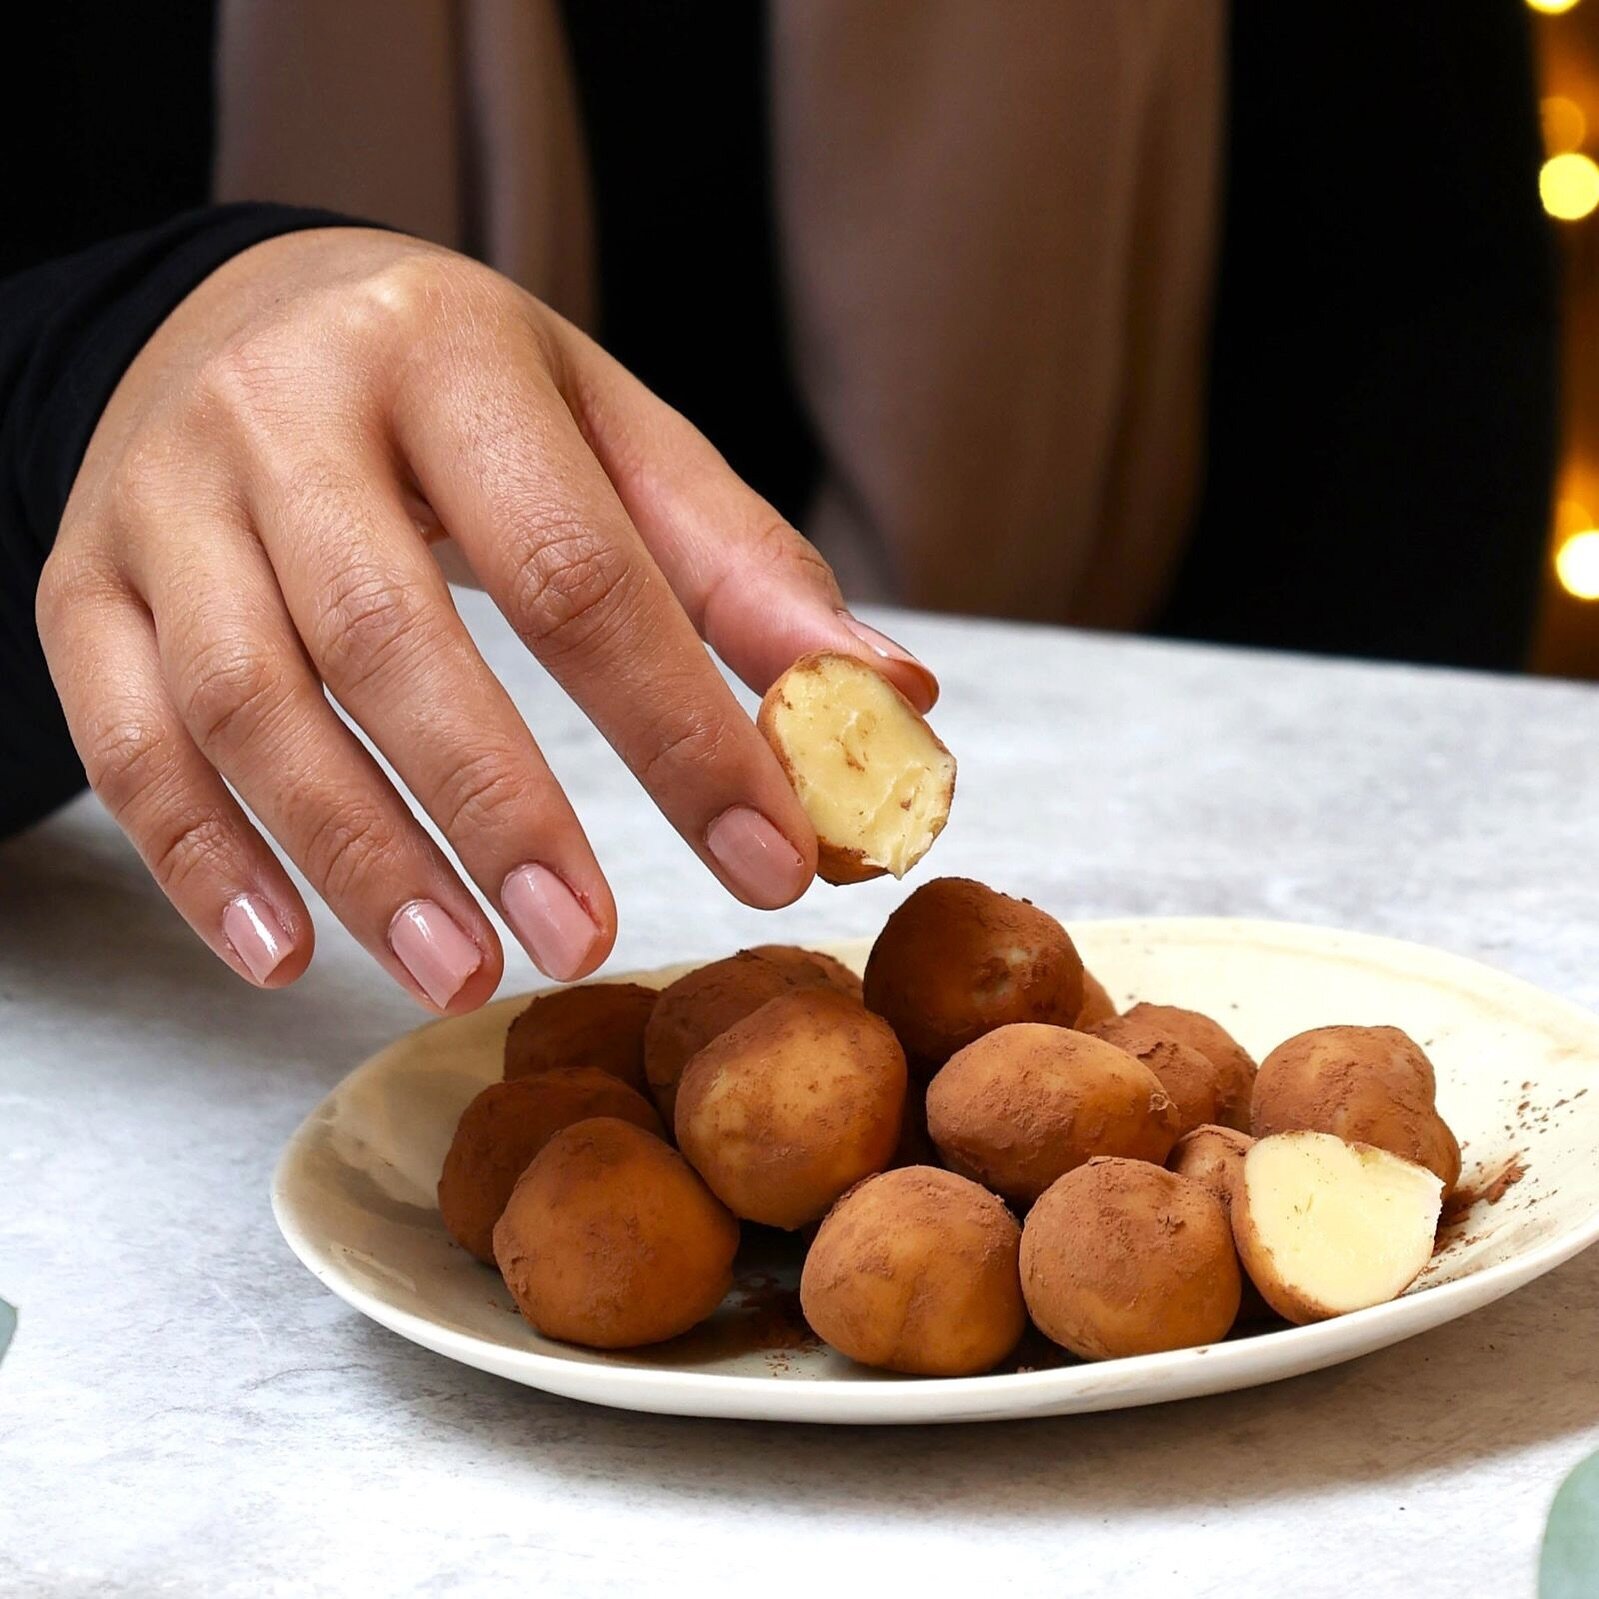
250 526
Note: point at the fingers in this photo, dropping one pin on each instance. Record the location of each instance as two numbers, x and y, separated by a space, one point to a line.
759 593
254 710
197 842
499 458
375 614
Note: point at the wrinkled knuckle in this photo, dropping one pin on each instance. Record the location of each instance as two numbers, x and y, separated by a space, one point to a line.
368 620
348 849
230 690
254 385
690 742
782 545
123 759
571 586
485 795
193 842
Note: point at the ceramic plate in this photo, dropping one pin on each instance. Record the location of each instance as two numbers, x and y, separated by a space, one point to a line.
1518 1075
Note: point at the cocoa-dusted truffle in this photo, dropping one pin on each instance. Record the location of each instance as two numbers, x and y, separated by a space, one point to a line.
1122 1258
610 1240
1097 1005
594 1024
1211 1039
957 960
915 1271
1214 1156
705 1003
792 957
1192 1081
505 1126
790 1106
1027 1102
1366 1085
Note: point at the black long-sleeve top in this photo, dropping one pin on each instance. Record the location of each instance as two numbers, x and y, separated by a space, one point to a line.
1382 397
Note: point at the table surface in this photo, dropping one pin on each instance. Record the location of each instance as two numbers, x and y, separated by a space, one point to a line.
186 1410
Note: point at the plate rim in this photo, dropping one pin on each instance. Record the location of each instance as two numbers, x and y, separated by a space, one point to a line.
713 1394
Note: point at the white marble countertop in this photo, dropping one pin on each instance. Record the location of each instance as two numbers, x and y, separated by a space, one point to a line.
186 1410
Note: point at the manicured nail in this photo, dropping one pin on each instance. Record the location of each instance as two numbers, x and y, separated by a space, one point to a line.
759 862
258 938
433 950
920 687
549 919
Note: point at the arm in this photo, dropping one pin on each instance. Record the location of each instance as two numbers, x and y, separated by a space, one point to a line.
248 533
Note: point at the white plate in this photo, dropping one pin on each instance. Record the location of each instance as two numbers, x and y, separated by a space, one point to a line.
354 1191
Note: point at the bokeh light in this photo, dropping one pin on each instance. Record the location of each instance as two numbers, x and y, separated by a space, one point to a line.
1569 185
1564 125
1577 564
1551 8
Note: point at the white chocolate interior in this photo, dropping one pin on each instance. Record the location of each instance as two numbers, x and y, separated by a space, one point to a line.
1345 1227
865 766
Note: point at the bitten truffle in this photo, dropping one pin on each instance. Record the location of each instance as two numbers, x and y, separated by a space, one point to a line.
869 772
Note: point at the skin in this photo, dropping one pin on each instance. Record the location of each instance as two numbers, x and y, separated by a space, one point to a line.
254 523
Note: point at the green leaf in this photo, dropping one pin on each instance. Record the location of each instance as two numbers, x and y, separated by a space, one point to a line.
1569 1568
8 1325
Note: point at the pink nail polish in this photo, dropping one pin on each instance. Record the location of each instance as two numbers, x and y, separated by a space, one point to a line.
430 946
918 684
258 938
762 866
549 919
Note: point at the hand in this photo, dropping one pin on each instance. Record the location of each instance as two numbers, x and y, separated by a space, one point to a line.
251 525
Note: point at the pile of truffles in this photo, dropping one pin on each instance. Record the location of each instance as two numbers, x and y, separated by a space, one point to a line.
971 1139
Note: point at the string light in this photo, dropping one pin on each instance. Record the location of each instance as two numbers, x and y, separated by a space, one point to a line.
1551 8
1569 185
1577 564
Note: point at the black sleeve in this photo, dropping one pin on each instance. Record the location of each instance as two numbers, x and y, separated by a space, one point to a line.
68 331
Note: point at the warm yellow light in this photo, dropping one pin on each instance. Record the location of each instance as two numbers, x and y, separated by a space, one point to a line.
1572 516
1564 125
1569 185
1551 8
1577 564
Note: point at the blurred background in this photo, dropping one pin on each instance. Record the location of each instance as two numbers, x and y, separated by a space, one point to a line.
856 246
1566 33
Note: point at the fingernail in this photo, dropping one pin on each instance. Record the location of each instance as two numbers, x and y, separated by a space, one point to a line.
920 686
760 863
258 938
549 919
430 946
